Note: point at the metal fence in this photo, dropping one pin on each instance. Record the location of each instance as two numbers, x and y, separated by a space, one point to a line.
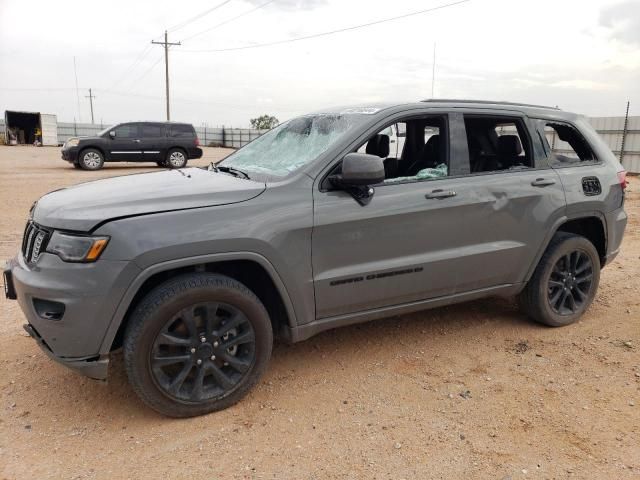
611 129
227 137
209 136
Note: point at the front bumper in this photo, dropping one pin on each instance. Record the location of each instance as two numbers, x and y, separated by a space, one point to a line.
96 367
69 154
89 294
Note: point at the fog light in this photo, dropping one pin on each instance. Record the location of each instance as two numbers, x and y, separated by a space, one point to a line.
48 309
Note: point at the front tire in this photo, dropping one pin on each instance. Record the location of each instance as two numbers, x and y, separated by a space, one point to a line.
196 344
176 158
564 283
91 159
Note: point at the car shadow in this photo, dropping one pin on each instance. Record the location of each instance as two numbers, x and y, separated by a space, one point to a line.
428 329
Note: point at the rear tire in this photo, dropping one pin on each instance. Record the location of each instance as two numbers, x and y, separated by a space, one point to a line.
564 283
196 344
91 159
176 158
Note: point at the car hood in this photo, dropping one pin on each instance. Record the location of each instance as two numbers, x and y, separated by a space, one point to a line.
82 207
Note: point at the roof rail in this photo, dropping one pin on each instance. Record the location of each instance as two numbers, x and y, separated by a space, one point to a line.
486 102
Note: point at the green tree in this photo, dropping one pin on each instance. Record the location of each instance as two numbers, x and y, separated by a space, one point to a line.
264 122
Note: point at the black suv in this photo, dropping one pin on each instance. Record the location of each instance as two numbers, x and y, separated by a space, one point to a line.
166 143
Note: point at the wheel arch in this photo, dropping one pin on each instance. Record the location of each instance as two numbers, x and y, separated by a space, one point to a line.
251 269
591 225
176 147
93 147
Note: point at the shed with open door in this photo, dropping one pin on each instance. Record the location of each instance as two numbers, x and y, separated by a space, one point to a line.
30 128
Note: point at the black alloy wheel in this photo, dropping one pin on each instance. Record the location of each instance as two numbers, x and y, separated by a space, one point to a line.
570 282
203 352
564 282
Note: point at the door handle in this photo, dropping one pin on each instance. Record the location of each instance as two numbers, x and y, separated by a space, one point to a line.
542 182
137 140
440 194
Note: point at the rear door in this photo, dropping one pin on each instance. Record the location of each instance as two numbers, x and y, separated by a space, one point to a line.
125 146
152 139
49 128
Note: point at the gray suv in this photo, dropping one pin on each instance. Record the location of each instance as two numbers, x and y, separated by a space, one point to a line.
312 226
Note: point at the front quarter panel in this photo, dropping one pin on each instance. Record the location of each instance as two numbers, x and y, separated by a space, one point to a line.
276 226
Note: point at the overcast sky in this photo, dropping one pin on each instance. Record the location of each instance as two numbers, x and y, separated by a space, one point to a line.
583 56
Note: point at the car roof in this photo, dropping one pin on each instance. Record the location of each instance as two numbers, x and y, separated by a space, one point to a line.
539 111
156 123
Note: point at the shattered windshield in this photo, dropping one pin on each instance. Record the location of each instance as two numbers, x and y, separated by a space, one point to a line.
292 145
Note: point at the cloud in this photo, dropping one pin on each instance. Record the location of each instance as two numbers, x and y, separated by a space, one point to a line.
292 4
623 21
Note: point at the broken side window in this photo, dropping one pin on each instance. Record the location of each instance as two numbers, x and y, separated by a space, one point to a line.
565 144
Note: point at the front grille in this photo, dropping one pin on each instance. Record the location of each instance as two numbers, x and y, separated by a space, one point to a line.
34 242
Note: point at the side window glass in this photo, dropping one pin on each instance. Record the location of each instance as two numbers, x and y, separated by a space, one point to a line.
497 143
151 131
129 130
412 150
182 131
566 144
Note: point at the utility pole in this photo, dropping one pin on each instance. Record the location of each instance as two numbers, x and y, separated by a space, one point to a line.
433 70
166 66
91 97
75 73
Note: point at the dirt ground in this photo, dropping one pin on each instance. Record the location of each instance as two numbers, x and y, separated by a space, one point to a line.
469 391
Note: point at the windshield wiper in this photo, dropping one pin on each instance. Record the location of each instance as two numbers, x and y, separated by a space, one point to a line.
233 171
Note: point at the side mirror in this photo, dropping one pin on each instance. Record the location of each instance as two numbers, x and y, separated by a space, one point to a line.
362 169
112 134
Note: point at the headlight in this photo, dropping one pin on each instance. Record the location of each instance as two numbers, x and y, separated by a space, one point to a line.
73 142
76 248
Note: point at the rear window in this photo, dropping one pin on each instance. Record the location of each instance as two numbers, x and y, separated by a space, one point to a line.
566 144
150 130
182 131
497 143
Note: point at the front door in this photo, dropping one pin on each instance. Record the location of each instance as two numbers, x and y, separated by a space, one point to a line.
125 144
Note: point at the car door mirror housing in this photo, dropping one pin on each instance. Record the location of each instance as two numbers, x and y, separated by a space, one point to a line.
362 169
112 134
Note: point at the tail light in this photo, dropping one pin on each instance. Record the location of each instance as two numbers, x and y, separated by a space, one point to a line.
622 179
197 141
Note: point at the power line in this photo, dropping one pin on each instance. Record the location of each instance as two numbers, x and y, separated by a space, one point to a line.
37 89
141 56
229 20
187 100
196 17
146 72
332 32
